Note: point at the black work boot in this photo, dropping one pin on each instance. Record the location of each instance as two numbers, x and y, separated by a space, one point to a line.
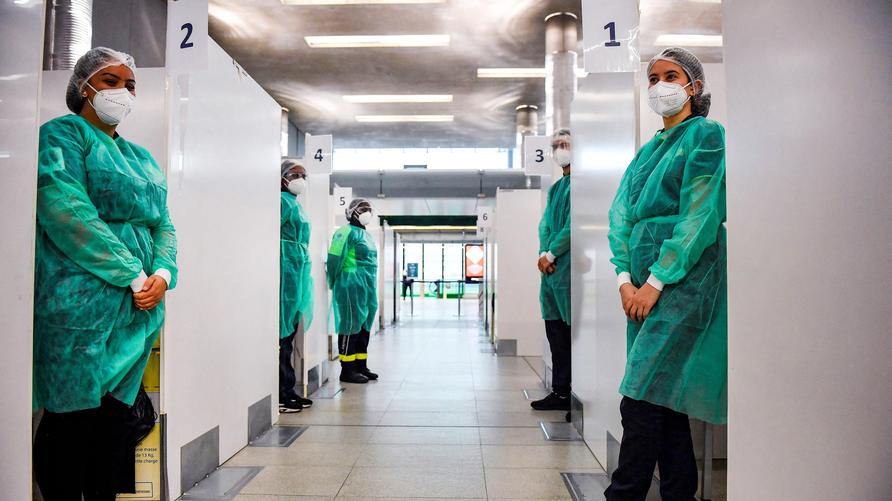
362 367
553 402
350 375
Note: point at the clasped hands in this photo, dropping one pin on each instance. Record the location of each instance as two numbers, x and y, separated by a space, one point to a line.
546 266
638 303
151 294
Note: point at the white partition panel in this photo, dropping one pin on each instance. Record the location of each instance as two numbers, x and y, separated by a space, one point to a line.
809 249
21 36
316 203
387 276
221 338
518 315
604 132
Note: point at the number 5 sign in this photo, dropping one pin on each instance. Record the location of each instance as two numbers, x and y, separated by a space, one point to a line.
187 35
611 36
317 154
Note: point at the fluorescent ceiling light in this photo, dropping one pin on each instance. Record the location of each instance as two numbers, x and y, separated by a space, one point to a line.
670 40
357 2
403 118
519 73
408 98
377 41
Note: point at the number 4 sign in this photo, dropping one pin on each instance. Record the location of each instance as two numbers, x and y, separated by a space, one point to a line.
187 35
611 36
317 156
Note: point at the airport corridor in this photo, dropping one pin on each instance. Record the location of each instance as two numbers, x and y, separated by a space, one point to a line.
447 419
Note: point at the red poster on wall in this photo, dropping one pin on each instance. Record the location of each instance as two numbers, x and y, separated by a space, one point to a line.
474 261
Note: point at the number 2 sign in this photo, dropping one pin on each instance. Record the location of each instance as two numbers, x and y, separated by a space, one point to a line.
611 36
187 35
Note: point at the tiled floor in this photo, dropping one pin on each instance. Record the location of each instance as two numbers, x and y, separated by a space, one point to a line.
444 421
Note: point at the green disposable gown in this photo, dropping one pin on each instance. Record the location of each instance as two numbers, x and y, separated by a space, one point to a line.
666 220
295 280
352 277
101 219
554 237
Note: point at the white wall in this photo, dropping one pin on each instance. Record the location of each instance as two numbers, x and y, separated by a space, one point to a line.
518 315
21 27
221 337
809 212
316 204
605 126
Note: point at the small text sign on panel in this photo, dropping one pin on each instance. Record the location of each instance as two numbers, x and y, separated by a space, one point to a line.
537 156
611 30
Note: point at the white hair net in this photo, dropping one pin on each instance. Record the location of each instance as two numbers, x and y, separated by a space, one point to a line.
561 134
94 61
288 164
701 101
357 207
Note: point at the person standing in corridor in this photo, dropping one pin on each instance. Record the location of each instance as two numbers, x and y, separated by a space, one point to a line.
352 269
554 264
295 280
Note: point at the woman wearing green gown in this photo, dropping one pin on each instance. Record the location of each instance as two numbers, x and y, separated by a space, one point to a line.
668 246
295 280
105 256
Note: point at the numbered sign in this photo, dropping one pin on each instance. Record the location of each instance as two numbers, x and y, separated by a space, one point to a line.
317 155
537 157
484 217
341 199
187 35
611 36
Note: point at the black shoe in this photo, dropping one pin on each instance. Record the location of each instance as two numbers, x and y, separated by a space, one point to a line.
569 420
553 402
363 369
353 377
289 407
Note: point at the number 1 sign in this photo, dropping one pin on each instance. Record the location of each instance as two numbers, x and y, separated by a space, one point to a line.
611 36
187 35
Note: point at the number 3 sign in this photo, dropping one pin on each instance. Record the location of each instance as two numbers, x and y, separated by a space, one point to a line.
611 36
187 35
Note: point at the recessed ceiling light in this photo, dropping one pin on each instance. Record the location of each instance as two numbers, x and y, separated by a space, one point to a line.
519 73
669 40
357 2
376 41
403 118
408 98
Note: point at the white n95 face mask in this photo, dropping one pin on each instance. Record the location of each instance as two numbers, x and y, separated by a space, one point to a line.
667 99
297 186
112 105
563 157
366 218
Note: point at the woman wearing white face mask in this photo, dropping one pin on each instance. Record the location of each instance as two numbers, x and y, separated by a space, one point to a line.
352 269
668 246
295 280
105 256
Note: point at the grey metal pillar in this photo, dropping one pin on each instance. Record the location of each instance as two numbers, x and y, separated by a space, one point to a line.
561 38
527 125
68 34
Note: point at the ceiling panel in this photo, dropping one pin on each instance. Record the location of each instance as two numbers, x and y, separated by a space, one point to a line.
267 38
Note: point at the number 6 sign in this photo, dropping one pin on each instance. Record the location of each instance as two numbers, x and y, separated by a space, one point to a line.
187 35
611 36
